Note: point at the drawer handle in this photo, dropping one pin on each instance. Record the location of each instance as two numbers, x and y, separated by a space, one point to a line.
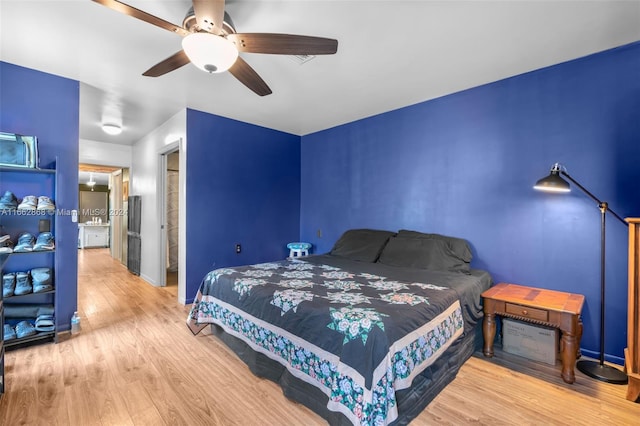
525 312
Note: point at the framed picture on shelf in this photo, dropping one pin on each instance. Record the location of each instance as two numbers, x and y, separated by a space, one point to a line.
18 151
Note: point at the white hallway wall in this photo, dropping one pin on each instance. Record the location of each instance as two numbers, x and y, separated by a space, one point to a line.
145 173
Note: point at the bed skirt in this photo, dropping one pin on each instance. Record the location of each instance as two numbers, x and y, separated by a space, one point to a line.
411 401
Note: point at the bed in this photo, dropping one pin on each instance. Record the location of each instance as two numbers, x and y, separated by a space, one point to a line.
368 333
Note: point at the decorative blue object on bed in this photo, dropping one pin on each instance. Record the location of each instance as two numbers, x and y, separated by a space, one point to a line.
357 331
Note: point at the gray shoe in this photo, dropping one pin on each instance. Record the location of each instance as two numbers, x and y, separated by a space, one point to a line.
8 284
6 245
41 278
8 201
45 203
23 284
44 242
28 203
25 243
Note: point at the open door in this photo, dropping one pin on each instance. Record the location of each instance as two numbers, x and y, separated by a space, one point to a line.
115 217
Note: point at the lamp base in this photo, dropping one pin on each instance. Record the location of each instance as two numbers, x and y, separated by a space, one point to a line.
604 373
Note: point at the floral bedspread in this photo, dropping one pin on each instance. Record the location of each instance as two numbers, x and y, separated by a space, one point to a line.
356 335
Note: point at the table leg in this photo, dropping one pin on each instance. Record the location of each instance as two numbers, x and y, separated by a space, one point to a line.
579 337
633 391
569 351
488 333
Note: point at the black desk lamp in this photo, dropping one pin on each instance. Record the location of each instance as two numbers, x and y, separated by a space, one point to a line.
555 183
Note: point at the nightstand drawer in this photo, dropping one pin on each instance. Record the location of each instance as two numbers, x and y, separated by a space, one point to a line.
526 312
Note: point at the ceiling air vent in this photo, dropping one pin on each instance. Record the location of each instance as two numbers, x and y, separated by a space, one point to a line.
301 59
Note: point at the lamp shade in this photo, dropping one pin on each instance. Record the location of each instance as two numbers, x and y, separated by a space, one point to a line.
553 182
209 52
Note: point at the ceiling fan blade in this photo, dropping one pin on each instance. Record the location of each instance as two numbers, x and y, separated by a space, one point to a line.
283 44
209 14
173 62
247 76
144 16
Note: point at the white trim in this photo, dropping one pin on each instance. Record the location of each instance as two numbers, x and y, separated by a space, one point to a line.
149 280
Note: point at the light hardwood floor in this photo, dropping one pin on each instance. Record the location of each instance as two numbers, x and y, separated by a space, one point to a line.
136 363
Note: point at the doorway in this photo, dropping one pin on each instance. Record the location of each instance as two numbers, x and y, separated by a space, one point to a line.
171 206
103 191
170 197
172 216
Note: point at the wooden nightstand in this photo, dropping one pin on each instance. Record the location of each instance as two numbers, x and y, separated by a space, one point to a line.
539 306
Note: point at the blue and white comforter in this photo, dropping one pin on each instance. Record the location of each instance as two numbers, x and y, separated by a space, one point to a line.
354 330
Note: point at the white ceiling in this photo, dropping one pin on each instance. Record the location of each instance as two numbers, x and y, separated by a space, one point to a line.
390 54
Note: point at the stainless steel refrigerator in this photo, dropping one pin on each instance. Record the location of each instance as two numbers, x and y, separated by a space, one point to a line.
133 234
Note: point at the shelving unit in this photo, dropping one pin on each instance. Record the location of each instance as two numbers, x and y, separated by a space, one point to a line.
23 182
3 259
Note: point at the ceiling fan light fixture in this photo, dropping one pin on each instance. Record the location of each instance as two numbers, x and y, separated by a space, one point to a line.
209 52
111 129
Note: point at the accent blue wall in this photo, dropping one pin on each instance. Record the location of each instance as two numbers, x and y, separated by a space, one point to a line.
464 165
47 106
243 187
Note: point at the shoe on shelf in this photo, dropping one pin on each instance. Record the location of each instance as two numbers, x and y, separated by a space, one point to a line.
25 329
41 278
8 201
25 243
44 242
8 332
45 203
45 323
23 284
28 203
6 245
8 284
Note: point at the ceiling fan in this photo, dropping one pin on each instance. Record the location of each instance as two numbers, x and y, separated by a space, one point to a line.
212 44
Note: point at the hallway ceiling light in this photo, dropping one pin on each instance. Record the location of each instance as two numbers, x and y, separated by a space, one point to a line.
91 182
111 129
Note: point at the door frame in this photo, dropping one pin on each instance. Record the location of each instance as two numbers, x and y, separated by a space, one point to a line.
115 219
176 145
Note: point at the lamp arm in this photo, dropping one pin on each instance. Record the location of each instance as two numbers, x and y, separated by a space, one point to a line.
601 204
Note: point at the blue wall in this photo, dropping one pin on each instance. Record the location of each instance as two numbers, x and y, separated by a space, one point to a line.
243 186
47 106
464 165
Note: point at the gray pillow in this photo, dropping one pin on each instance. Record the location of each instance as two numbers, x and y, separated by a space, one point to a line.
422 253
363 245
459 247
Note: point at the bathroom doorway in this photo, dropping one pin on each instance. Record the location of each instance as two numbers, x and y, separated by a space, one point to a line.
172 216
171 206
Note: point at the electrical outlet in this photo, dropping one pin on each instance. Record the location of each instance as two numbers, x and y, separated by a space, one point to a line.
319 232
238 248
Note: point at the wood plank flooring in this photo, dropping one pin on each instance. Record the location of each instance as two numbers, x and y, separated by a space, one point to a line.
136 363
